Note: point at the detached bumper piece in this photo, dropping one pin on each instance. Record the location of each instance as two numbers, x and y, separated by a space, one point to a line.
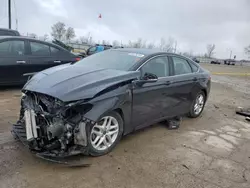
243 112
173 123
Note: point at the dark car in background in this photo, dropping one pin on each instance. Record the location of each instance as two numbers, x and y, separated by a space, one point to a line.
21 55
215 62
195 60
8 32
86 107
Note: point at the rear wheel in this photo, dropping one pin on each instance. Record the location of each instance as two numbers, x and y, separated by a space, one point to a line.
105 134
197 105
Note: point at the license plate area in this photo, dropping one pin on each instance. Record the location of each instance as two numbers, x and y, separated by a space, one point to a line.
30 124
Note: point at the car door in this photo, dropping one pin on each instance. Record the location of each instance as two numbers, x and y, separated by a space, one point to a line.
152 99
61 56
13 57
39 57
184 82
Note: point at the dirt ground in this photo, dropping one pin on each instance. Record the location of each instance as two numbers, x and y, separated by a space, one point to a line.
212 151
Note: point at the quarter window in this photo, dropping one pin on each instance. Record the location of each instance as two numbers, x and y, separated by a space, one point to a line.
181 66
54 50
157 66
12 47
194 67
39 49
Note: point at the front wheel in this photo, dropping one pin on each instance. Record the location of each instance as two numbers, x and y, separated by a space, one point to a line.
105 134
197 105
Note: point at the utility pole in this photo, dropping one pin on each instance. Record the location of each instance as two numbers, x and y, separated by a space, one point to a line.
9 8
230 54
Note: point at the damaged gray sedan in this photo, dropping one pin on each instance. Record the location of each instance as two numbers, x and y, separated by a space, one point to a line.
86 107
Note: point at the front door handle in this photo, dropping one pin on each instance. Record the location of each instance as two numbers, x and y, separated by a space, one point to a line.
195 79
57 61
20 62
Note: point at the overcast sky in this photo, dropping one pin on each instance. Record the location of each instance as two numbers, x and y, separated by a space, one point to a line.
193 23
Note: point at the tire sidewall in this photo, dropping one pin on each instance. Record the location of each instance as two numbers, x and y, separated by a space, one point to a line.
192 113
91 150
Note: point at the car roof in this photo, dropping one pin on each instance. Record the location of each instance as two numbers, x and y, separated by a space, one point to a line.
141 51
10 30
28 38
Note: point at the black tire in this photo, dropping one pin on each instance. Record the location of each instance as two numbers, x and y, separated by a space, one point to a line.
192 113
91 150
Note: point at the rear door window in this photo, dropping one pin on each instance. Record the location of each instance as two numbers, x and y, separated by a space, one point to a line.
181 66
54 51
12 48
39 49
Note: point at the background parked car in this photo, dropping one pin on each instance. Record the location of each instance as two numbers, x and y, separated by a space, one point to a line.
215 62
20 55
195 60
8 32
229 62
97 48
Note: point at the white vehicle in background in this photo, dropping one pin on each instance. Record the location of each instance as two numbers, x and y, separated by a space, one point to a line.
229 62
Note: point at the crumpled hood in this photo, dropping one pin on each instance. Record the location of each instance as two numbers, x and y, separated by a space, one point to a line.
73 82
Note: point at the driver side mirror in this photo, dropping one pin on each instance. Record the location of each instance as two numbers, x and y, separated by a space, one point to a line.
147 78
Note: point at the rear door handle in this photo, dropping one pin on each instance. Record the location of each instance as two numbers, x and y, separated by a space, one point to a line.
168 82
20 62
195 79
57 61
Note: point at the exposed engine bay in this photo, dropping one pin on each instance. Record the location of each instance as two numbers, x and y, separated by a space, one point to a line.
52 127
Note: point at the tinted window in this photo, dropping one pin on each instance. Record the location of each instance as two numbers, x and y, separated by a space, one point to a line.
12 47
194 67
39 49
93 49
111 59
157 66
54 50
181 66
7 33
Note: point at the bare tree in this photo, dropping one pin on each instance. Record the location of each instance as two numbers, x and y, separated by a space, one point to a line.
167 46
115 43
45 37
210 50
105 42
32 35
247 50
162 43
138 43
144 44
150 45
83 39
58 30
170 45
130 44
188 54
70 34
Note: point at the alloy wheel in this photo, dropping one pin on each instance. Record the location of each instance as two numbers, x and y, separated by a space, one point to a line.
199 103
104 133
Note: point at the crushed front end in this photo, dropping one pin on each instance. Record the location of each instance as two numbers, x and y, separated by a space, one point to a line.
50 127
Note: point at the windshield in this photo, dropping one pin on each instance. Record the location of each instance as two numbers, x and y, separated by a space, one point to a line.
112 59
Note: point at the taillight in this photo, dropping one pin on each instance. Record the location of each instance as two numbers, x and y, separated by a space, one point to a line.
78 59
